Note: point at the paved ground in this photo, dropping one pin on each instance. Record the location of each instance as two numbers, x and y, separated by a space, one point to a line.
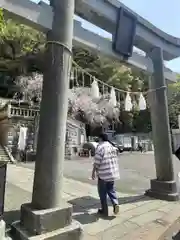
136 171
140 217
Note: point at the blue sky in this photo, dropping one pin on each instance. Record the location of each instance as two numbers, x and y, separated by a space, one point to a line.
162 13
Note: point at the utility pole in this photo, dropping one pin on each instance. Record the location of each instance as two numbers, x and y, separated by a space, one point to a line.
47 212
164 187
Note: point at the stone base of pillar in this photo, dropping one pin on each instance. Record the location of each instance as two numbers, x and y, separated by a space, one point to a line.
45 224
163 190
71 232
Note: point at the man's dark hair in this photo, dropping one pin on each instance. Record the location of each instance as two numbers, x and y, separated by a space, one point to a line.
104 137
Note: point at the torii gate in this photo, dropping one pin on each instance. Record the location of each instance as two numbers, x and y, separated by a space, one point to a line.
47 213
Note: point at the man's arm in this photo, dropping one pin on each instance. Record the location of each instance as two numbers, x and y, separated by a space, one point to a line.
94 171
97 162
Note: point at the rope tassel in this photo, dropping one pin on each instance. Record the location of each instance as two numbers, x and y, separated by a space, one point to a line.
128 103
113 100
142 102
95 89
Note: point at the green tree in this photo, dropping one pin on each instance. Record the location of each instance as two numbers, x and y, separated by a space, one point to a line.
174 103
22 48
18 43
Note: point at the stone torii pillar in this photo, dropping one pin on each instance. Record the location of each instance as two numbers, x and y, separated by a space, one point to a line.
48 216
164 186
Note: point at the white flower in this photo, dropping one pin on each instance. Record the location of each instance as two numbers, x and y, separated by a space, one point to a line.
95 110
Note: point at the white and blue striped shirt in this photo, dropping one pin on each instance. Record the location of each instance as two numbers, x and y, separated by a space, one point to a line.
106 162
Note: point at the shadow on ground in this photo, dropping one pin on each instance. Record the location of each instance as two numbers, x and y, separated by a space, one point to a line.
11 216
134 199
84 209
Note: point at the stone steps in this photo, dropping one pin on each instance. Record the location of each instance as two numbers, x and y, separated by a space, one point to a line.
3 154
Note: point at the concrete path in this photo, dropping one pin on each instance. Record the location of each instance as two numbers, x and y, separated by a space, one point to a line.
140 217
136 170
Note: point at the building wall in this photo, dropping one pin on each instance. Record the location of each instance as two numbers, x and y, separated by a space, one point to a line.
75 132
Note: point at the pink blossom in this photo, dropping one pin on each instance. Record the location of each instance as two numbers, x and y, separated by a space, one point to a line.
95 110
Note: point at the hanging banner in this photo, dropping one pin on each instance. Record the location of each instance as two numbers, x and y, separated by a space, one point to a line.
22 138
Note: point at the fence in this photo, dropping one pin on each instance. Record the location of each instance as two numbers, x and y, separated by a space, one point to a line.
22 112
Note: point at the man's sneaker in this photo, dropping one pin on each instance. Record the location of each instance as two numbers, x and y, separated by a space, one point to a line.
102 213
116 209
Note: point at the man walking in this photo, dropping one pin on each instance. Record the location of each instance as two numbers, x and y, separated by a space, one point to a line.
107 171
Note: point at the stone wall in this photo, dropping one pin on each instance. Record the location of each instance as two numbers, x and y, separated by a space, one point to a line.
75 134
75 137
